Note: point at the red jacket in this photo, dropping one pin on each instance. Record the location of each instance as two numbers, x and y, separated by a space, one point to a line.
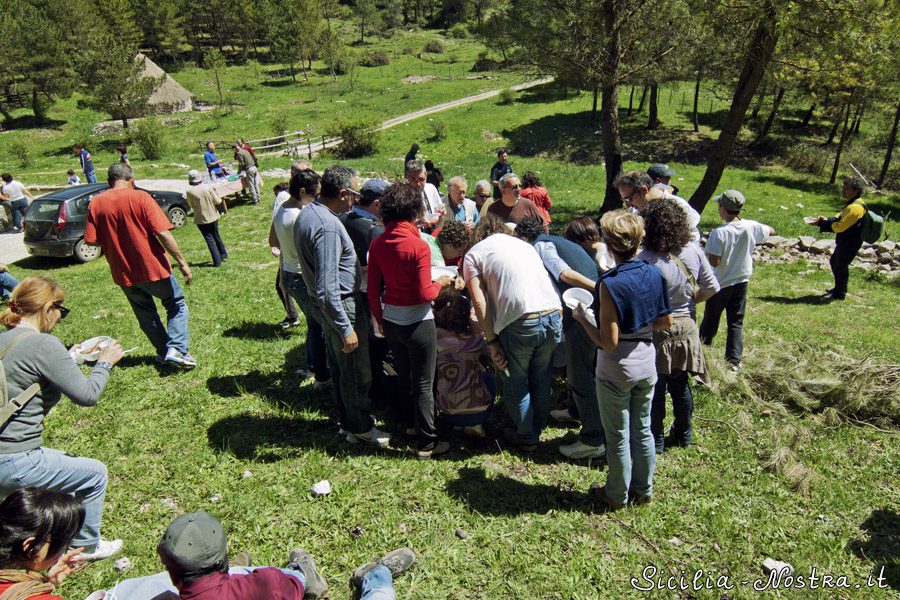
402 260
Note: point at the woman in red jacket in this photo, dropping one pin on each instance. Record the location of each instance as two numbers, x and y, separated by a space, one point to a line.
400 264
532 189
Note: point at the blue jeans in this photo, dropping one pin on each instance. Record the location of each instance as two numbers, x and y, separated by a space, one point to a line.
581 352
216 247
316 351
377 584
630 452
17 208
528 345
7 284
175 333
84 478
732 300
91 177
679 387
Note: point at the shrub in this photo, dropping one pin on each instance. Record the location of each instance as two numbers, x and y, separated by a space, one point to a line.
439 130
21 151
458 31
507 96
279 125
378 58
434 46
408 50
149 135
358 135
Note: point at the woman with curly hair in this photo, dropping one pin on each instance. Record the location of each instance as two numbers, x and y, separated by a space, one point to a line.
532 189
690 279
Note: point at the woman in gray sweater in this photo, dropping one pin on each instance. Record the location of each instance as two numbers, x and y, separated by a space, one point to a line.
34 356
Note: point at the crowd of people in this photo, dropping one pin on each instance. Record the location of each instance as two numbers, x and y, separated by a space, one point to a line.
436 302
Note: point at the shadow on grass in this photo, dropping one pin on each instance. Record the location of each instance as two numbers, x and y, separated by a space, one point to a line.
29 122
37 263
882 548
250 330
805 299
247 436
504 496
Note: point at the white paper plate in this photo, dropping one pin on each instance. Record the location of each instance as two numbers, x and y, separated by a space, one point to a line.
438 271
575 296
90 349
810 220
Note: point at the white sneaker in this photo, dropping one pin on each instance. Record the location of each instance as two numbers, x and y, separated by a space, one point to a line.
372 436
105 549
581 450
182 360
562 415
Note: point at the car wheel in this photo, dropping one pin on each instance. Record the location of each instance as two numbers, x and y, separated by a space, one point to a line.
177 216
86 253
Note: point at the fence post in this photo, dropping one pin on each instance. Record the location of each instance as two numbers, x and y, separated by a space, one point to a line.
309 146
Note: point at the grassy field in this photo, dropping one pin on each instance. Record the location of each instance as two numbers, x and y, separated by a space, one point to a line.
243 437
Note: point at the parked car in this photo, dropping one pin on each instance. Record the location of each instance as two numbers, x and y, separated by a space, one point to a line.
54 223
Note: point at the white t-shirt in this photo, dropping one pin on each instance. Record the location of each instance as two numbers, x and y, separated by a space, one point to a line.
14 190
284 219
432 199
517 282
734 243
280 199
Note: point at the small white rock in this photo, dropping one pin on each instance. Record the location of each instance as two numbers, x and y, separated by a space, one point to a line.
770 565
247 474
782 207
799 205
675 541
216 498
122 565
322 488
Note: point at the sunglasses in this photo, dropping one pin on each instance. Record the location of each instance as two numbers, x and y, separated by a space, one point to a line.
63 311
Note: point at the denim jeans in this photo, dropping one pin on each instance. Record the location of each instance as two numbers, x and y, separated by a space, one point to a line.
732 300
284 295
377 584
18 207
217 249
316 350
840 267
175 333
7 284
679 387
630 454
581 352
528 345
351 372
84 478
414 347
91 177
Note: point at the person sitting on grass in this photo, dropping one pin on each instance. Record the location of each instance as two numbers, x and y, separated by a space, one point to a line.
466 385
36 529
630 302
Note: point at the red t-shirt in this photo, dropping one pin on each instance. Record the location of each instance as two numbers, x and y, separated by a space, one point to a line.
125 222
541 199
6 586
261 584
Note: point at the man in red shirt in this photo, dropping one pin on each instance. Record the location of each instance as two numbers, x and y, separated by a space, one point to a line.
134 234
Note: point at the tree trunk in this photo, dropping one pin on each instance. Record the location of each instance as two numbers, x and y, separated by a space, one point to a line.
695 117
652 120
859 112
291 69
643 99
834 128
768 124
758 56
36 106
124 122
760 98
631 101
892 139
840 147
609 106
5 112
594 106
808 116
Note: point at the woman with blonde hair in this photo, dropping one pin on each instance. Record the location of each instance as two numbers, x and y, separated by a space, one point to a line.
31 355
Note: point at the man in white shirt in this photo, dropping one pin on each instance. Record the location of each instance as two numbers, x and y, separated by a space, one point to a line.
416 175
521 316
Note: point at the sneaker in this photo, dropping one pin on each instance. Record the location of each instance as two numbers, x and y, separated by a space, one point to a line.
185 360
316 586
283 324
476 431
562 415
736 367
581 450
104 549
436 450
323 385
243 559
397 562
372 436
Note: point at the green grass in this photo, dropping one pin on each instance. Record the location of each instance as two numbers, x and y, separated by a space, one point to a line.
173 441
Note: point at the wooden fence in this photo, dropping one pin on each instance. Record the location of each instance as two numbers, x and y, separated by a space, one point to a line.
290 144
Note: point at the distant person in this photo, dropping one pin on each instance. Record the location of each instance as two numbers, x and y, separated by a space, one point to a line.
679 353
730 252
500 168
213 164
456 206
661 175
482 196
411 155
847 224
135 234
533 190
512 208
205 202
38 367
637 190
123 154
630 301
434 175
7 282
247 165
73 178
87 164
243 144
17 197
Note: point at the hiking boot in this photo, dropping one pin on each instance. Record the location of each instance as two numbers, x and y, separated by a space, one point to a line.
580 450
562 415
104 549
599 492
243 559
636 499
514 440
372 436
436 450
397 562
316 586
185 361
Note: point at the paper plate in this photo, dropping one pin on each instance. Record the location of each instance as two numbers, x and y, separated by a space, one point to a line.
575 296
438 271
810 220
90 349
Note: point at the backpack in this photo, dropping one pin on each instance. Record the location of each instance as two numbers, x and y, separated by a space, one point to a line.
872 228
9 407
